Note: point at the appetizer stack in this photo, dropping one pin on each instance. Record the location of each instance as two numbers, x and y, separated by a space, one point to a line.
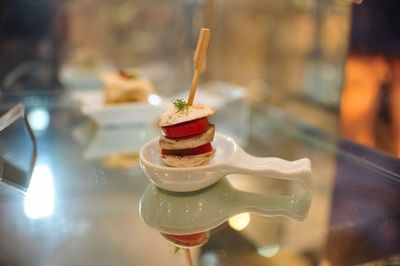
187 135
125 86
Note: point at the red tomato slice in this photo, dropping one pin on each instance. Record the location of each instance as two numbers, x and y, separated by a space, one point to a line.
187 240
194 151
186 129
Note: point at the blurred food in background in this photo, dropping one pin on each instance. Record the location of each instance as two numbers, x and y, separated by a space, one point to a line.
125 86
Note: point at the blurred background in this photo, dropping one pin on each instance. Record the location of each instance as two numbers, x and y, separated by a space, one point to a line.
290 54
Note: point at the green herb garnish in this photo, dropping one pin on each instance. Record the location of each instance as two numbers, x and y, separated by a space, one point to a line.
177 249
127 74
180 105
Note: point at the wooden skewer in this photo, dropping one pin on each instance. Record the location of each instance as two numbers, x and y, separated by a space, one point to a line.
198 58
188 257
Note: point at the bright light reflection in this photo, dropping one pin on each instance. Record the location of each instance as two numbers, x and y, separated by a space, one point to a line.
154 99
210 259
268 251
39 119
39 199
240 221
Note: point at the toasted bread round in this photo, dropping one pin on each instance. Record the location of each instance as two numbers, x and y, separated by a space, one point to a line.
195 111
188 143
188 160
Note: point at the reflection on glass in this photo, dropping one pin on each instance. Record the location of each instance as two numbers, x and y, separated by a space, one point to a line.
39 119
120 160
188 219
209 258
39 200
187 240
154 99
268 251
200 211
240 221
17 148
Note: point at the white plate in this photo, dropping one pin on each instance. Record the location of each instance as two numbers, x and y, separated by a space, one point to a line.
216 94
92 105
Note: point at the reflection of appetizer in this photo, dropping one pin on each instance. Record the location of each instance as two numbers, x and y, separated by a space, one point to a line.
187 135
188 240
120 160
125 86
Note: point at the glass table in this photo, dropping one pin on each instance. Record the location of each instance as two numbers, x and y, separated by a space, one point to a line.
84 202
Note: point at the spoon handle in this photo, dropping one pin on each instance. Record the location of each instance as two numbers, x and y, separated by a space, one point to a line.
298 171
295 206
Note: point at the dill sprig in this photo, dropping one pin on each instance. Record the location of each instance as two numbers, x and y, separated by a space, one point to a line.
180 105
177 249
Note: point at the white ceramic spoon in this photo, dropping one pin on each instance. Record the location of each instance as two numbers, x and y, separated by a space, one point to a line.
230 158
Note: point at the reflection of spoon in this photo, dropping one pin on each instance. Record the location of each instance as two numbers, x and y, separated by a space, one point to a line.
230 158
200 211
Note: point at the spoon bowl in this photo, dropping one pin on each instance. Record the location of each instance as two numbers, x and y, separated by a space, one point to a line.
229 158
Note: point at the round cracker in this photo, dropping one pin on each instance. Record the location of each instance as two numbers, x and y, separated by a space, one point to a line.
173 116
188 160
